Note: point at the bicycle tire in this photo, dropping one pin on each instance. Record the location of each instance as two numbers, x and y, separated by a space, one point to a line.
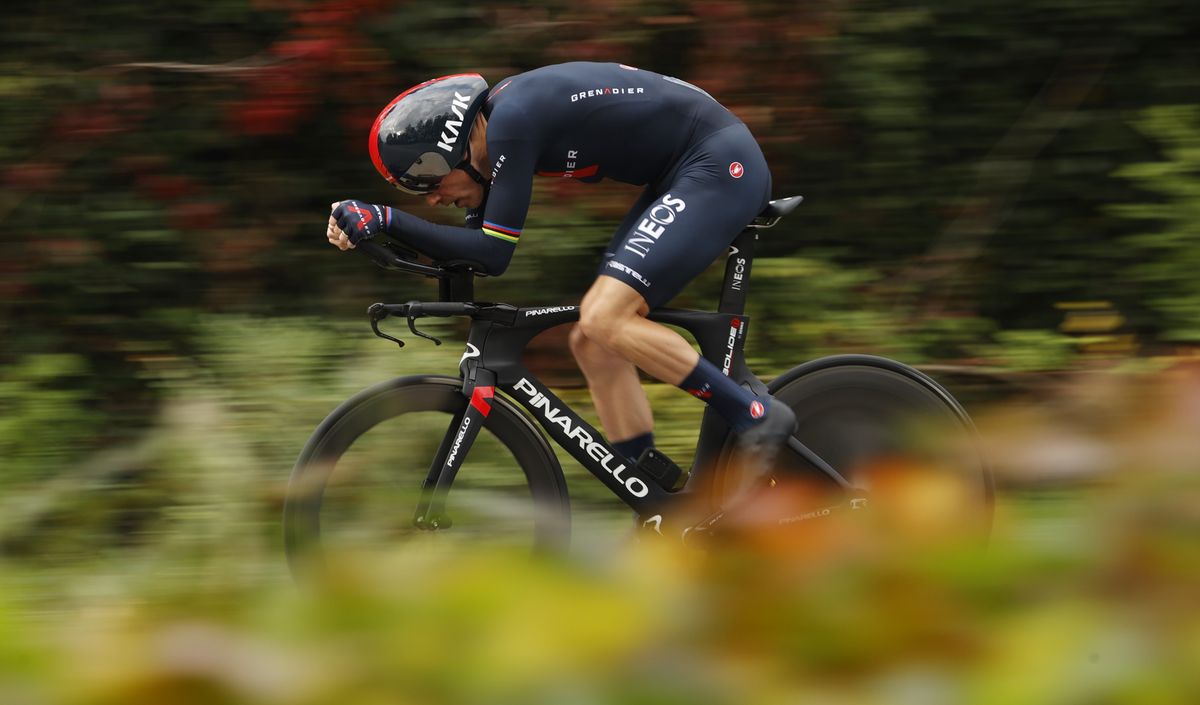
852 410
401 399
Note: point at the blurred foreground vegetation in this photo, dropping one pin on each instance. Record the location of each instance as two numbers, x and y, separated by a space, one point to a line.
1086 594
152 571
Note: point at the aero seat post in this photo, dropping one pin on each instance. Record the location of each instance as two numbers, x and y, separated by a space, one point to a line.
737 273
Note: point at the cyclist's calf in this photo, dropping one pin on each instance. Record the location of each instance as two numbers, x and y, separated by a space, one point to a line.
612 314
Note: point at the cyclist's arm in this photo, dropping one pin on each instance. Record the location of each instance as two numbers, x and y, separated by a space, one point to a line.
513 162
449 242
491 245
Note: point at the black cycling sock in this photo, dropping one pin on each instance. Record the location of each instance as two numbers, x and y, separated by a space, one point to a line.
740 408
632 448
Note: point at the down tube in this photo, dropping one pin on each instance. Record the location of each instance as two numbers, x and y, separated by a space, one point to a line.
588 446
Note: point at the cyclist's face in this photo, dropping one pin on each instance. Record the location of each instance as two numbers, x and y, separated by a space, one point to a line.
456 189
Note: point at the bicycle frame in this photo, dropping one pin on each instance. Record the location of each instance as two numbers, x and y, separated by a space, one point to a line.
492 361
498 335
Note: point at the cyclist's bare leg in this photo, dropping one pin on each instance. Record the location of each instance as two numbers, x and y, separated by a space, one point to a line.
617 392
612 315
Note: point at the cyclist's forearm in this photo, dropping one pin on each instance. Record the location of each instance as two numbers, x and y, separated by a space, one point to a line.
450 242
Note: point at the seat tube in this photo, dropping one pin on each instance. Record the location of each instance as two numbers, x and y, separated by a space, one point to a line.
737 273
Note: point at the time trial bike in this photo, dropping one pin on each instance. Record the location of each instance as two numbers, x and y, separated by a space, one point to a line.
425 455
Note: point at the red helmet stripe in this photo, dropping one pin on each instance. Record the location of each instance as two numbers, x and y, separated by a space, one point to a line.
373 138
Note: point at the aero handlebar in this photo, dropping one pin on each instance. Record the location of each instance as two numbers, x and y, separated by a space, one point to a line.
387 257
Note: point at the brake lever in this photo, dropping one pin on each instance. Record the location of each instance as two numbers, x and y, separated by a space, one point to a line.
413 327
378 312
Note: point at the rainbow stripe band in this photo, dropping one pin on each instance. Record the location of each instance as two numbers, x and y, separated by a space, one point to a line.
501 232
502 236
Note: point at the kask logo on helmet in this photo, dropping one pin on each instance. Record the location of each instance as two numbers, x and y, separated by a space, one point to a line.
419 137
450 131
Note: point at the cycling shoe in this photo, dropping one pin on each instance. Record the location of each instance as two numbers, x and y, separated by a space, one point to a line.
760 444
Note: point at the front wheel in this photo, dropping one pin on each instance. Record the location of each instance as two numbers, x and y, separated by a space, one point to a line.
359 478
889 430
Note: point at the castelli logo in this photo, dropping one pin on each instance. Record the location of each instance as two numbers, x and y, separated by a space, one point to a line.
736 170
756 410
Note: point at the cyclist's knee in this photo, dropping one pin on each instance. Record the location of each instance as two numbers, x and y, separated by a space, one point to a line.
591 346
576 340
594 358
606 309
582 347
599 323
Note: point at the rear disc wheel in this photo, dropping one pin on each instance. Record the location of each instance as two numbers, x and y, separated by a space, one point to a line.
889 430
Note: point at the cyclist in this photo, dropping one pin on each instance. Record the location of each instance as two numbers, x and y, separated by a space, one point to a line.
457 142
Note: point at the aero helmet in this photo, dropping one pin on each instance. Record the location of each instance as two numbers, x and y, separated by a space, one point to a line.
422 134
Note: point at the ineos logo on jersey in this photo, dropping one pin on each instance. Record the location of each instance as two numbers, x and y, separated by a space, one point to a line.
450 131
581 95
660 215
736 170
595 450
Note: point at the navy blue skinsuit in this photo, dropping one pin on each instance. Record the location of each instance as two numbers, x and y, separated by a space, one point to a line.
704 173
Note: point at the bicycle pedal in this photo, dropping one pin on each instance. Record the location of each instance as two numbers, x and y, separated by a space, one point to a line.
657 465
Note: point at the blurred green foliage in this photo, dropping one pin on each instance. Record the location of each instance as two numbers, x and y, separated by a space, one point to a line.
44 420
1167 256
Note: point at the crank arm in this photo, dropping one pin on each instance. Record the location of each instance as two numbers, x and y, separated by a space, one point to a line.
819 463
711 526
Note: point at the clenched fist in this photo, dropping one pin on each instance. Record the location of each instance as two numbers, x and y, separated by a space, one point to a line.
334 234
352 221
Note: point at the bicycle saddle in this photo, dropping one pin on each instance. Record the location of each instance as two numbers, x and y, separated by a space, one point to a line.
775 210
